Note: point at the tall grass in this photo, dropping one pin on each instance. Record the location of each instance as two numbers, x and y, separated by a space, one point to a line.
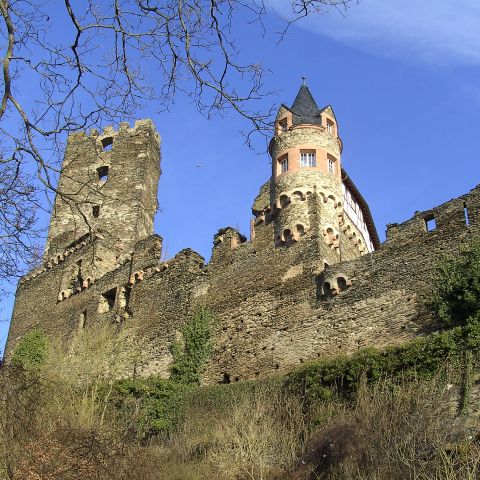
60 422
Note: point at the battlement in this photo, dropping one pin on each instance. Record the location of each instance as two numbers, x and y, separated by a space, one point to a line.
106 176
462 212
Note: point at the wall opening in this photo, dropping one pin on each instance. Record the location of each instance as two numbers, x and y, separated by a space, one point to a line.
107 143
78 278
465 212
327 289
284 201
226 378
107 300
96 211
300 229
430 223
102 173
124 298
283 125
342 284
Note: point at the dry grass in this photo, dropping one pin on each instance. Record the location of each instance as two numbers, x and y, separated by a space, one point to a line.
395 432
256 436
56 426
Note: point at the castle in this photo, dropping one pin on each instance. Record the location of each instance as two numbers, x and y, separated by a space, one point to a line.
312 280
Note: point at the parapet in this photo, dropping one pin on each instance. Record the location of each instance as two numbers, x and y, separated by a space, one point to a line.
458 214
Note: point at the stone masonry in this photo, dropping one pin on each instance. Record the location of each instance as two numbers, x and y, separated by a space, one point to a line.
312 281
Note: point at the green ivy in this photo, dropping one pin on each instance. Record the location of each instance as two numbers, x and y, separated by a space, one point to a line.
153 403
190 356
31 351
457 291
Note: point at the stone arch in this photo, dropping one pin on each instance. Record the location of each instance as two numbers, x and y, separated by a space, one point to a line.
334 200
342 284
298 196
330 236
283 200
287 235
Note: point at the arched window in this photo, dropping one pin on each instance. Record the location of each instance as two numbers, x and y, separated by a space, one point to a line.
342 284
107 143
284 201
300 229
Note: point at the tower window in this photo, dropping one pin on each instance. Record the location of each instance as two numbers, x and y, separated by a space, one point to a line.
308 159
331 165
283 125
330 127
102 173
96 211
107 143
284 164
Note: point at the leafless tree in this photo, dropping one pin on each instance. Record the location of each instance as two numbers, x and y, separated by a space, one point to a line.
76 65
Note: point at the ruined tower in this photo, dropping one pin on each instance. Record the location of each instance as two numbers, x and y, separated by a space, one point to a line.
108 185
309 189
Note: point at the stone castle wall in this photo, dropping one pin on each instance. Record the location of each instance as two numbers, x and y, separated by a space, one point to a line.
275 307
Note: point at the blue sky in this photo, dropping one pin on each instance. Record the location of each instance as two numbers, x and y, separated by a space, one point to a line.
403 81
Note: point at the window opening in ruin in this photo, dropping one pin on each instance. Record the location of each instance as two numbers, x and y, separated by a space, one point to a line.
284 164
77 281
308 159
342 284
300 229
102 173
283 124
107 143
287 235
465 212
330 126
82 322
327 289
226 378
107 300
430 223
96 211
325 265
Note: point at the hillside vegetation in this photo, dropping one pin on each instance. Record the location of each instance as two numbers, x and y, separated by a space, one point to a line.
401 413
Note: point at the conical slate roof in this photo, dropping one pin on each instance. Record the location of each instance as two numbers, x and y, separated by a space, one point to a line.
305 109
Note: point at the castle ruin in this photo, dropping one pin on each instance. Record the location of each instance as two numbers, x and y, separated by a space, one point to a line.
313 279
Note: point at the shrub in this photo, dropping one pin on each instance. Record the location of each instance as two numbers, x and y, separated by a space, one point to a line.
148 406
31 351
457 297
190 357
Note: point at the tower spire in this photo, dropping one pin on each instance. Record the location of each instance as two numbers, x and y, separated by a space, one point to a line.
304 108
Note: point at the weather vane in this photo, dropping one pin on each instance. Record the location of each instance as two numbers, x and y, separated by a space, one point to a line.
304 78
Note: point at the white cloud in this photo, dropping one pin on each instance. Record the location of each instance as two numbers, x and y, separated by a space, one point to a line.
442 32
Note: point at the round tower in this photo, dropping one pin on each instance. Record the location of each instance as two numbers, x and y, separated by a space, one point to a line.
308 188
